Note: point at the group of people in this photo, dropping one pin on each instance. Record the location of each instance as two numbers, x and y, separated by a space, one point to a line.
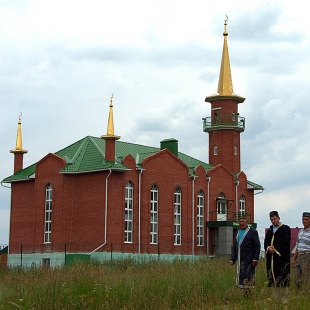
246 253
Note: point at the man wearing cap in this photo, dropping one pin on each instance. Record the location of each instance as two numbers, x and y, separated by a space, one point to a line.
301 260
277 246
246 252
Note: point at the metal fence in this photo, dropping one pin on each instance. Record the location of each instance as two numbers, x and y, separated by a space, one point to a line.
69 252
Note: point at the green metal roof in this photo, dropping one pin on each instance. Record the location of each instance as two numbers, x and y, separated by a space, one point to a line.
21 175
87 155
5 250
252 185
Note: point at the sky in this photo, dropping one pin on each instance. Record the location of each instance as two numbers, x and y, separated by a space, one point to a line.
60 62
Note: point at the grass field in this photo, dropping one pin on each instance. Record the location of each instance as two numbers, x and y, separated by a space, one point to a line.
204 284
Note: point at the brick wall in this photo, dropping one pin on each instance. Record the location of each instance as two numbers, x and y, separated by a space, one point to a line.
79 202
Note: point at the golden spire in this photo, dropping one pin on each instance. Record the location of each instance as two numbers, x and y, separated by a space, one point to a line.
110 129
225 87
19 141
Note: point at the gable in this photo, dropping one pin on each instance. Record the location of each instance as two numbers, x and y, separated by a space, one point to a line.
200 171
129 161
220 171
164 158
241 176
49 164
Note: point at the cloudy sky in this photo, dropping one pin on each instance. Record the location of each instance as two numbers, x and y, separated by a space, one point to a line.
60 61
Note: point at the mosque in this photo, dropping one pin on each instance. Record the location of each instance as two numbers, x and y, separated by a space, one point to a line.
101 198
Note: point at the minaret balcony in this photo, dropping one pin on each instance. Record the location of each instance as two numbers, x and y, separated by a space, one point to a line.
217 122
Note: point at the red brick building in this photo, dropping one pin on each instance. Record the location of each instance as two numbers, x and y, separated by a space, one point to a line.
101 197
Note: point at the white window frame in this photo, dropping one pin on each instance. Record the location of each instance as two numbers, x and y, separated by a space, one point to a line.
48 213
177 216
242 205
221 207
215 150
200 218
154 215
128 213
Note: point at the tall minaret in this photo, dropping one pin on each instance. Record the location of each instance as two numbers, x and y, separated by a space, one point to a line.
224 125
19 152
110 138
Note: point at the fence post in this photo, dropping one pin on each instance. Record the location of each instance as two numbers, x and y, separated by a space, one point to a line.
21 255
158 250
65 254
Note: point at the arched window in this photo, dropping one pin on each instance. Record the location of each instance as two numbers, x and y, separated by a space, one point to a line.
177 216
154 215
48 213
242 205
128 212
200 217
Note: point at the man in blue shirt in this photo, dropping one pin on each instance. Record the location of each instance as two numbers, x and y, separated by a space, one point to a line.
246 252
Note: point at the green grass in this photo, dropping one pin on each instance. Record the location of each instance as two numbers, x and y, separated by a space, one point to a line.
204 284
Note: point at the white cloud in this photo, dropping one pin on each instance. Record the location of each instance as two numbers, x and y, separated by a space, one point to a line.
290 202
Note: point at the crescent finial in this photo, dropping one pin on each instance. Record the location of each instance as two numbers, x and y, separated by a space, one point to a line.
225 24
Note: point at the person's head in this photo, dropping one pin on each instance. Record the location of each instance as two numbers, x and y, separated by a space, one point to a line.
243 222
306 219
274 218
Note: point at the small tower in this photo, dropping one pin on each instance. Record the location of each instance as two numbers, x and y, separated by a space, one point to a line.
19 152
224 125
110 138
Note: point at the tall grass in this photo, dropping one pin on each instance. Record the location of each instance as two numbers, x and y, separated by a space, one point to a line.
204 284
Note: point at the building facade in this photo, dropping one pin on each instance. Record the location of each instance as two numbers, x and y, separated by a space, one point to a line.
102 198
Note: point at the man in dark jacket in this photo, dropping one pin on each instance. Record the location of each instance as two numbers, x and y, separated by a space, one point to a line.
246 252
277 246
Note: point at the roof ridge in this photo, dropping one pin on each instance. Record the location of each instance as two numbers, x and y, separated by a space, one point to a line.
77 158
70 145
78 150
154 147
97 147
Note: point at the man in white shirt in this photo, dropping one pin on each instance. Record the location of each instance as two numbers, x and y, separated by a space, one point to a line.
301 259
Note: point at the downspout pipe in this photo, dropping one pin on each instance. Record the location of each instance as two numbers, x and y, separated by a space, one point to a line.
254 193
139 210
5 185
105 214
237 200
208 212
